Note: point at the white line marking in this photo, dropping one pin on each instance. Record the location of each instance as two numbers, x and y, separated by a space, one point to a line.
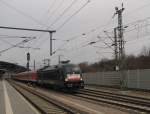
34 109
8 107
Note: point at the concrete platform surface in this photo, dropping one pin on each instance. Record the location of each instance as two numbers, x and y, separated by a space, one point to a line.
11 102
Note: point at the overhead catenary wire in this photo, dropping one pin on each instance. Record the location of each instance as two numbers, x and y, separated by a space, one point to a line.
84 33
23 13
13 46
72 3
82 46
51 14
19 46
62 14
6 42
138 9
68 19
66 9
8 36
109 22
73 38
146 25
49 9
137 21
92 30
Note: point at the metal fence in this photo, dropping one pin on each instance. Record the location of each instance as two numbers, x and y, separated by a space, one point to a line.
137 79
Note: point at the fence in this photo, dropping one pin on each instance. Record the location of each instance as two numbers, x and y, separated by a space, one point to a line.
137 79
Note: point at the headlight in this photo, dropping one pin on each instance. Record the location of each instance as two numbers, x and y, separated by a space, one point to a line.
81 79
66 79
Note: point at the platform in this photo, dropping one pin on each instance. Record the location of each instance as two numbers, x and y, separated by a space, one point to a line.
11 102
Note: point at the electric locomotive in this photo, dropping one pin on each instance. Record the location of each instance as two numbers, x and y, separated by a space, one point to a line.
61 76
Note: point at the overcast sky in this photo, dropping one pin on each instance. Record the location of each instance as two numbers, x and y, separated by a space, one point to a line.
79 29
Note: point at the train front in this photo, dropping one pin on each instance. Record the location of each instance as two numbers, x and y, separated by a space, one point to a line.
73 77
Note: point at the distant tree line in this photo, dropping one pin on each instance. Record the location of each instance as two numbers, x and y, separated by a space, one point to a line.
132 62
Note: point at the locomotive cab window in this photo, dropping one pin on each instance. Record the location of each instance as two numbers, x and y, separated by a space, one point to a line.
73 70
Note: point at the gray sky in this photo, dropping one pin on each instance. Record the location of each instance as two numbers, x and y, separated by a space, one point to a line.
91 21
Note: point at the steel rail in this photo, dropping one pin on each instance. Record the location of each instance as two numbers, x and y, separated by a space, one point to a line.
60 105
117 94
113 100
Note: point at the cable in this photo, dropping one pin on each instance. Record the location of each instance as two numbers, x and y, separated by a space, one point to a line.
100 47
137 21
49 9
70 39
51 6
104 26
52 13
139 8
7 36
147 25
105 37
62 14
83 34
72 3
67 20
89 32
22 13
76 37
6 42
22 42
16 45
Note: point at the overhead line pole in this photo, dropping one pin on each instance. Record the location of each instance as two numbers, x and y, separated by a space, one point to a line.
59 59
51 39
121 44
116 49
37 30
34 65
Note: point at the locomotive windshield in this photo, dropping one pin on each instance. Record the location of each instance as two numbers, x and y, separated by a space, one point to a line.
72 70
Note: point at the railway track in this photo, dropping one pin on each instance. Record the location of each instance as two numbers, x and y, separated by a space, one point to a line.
116 94
125 102
136 104
43 103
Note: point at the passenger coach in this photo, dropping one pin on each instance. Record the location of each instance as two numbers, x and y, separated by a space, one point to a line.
28 76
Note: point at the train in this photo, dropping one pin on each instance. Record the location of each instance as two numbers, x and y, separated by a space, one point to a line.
60 76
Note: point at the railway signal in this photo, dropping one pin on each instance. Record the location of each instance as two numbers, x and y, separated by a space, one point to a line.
28 59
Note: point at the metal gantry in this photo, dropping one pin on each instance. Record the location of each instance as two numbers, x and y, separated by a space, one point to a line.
35 30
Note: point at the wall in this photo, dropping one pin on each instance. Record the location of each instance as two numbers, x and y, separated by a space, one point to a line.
138 79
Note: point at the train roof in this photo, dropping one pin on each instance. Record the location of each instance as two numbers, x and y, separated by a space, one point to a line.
54 67
27 72
48 68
